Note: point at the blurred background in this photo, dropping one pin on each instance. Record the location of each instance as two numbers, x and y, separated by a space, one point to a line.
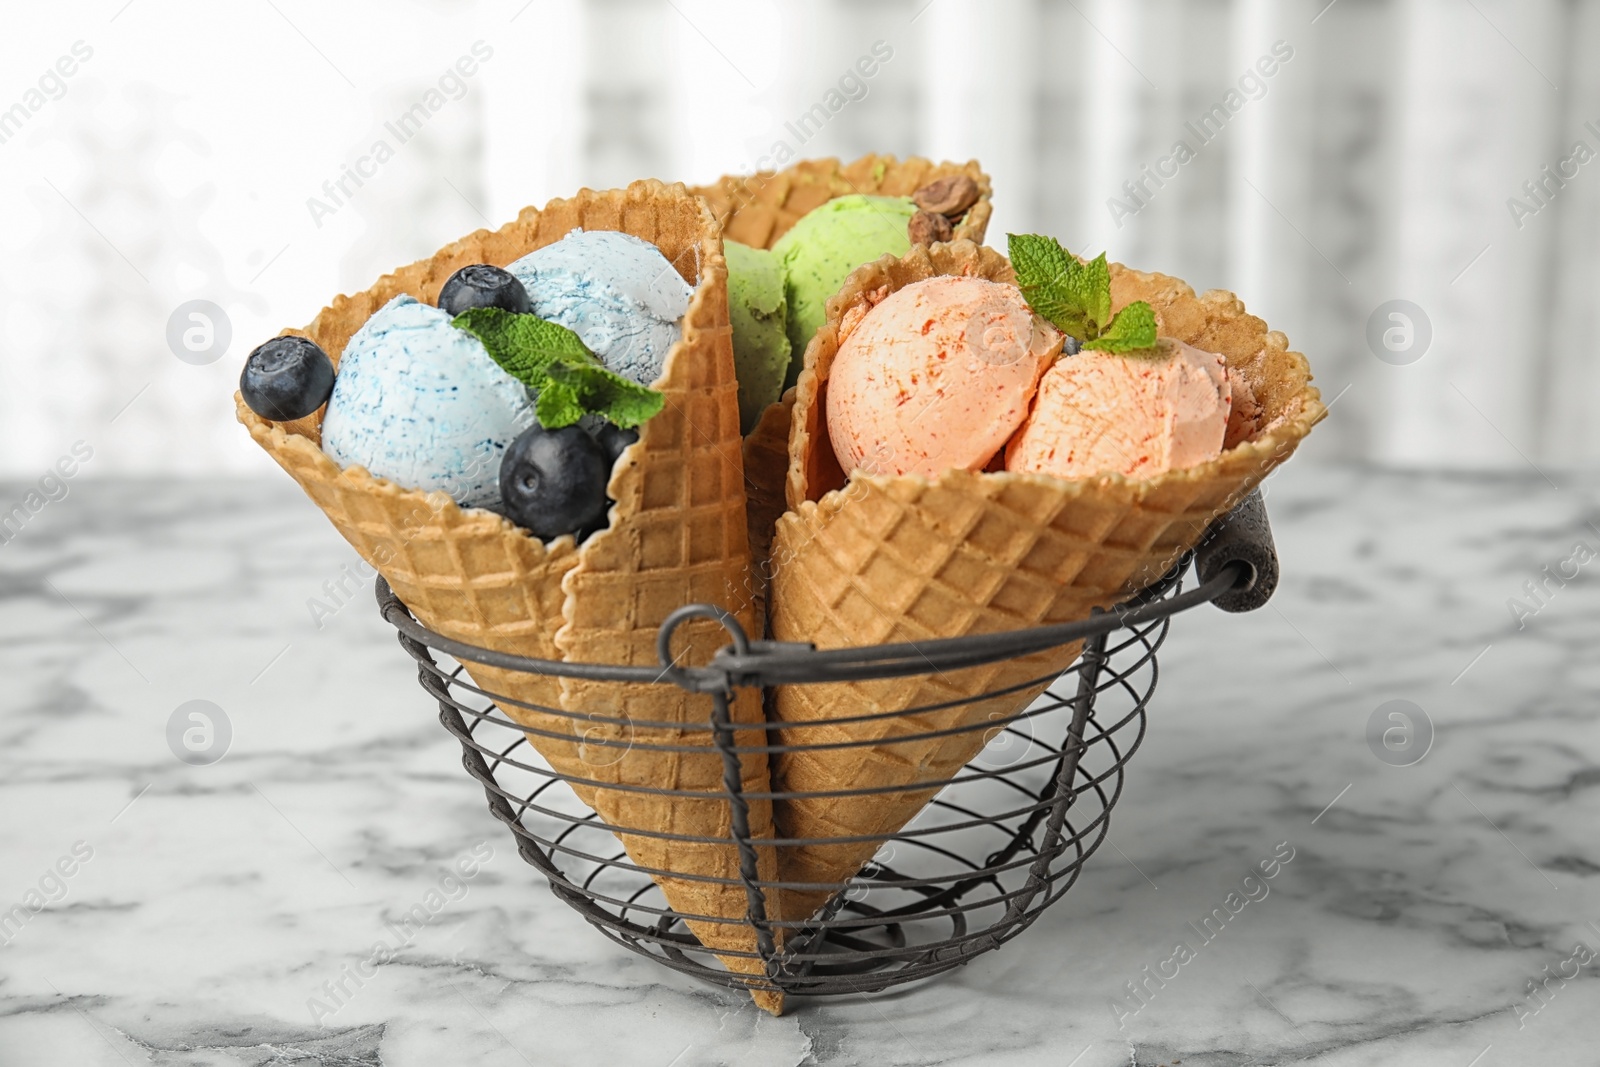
1403 187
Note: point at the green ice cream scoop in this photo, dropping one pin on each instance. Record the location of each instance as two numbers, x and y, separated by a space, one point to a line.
757 306
825 246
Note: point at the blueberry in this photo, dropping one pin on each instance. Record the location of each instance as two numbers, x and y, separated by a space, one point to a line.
483 286
613 441
1071 346
553 482
286 378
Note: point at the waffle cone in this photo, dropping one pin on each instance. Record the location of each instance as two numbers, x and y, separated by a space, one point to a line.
756 210
892 559
677 536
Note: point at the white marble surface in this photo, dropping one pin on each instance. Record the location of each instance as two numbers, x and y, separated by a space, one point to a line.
218 899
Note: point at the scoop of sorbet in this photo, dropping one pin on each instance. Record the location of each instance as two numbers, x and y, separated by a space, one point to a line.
936 377
1139 415
421 403
615 291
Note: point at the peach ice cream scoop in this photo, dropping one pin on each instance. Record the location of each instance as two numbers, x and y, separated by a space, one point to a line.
938 376
1139 414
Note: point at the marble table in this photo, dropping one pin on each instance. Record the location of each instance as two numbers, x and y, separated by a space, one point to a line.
1442 912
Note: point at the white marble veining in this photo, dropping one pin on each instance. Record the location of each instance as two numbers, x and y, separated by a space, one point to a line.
1419 903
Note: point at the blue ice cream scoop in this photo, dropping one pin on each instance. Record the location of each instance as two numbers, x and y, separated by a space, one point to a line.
615 291
421 403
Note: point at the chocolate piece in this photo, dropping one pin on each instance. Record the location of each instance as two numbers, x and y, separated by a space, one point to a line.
950 196
926 228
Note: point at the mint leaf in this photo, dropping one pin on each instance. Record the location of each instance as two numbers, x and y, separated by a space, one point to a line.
1093 285
1039 261
1060 306
1049 278
1076 296
557 406
1133 328
523 345
621 400
554 362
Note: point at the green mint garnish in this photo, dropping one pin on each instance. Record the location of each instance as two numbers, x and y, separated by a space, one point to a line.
575 388
1076 297
1046 274
1133 329
554 362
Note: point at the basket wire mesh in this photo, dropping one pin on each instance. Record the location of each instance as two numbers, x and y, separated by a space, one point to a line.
1003 839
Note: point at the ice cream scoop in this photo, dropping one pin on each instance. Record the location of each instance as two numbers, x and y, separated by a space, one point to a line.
936 377
821 250
1137 414
758 311
421 403
615 291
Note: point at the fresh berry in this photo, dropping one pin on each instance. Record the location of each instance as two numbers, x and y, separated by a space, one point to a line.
553 482
613 441
1071 346
286 378
483 286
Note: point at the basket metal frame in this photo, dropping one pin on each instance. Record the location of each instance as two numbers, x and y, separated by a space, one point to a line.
932 922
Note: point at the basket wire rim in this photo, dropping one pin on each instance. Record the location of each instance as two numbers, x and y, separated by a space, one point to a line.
849 946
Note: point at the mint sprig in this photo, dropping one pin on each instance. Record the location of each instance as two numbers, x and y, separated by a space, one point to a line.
576 388
1076 296
1133 329
554 362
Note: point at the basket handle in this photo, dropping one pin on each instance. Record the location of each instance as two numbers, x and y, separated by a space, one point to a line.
1242 536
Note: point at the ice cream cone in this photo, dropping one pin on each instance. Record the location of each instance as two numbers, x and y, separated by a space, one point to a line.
677 536
892 559
756 210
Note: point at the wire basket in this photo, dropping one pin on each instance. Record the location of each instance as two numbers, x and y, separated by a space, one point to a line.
1003 839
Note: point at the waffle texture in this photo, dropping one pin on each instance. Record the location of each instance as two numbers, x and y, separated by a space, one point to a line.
756 210
677 535
890 559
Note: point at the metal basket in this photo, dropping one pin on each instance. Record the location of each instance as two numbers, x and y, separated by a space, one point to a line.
1004 838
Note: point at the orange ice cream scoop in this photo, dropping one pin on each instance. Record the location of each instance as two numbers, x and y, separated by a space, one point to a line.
1138 415
936 377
